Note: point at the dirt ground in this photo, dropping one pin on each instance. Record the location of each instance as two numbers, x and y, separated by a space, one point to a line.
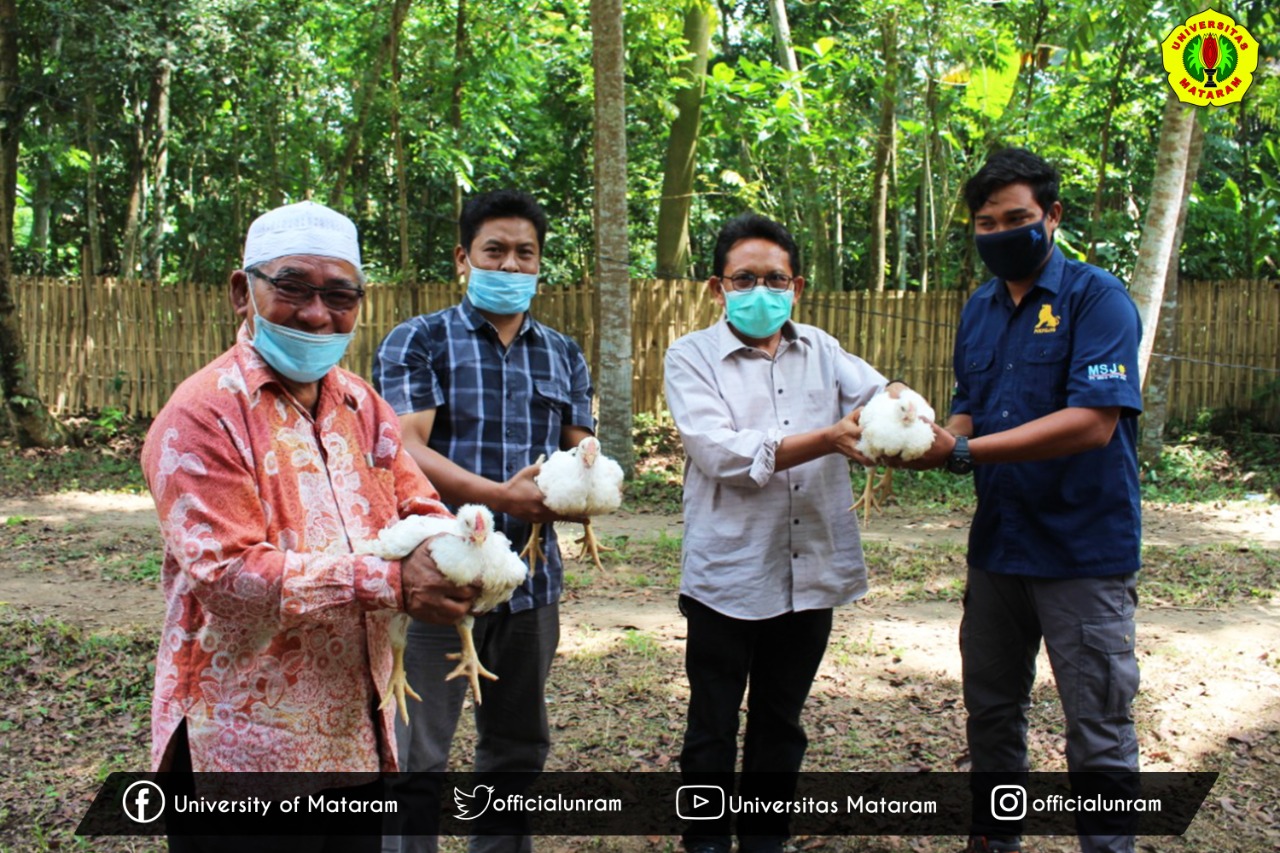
111 518
1210 675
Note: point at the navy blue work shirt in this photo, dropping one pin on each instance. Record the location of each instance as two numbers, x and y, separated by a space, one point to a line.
1071 342
497 408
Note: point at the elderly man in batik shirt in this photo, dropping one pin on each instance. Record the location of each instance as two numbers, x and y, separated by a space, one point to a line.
265 466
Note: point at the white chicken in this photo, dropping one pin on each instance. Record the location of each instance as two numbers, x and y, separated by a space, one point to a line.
580 481
892 426
471 551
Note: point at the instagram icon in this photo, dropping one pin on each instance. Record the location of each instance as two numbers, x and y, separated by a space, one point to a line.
1008 802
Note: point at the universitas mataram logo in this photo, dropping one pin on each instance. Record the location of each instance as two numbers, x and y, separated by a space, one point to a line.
1210 59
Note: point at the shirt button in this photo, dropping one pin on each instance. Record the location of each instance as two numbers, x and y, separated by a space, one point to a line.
796 488
1005 413
779 390
795 521
795 556
1008 367
786 423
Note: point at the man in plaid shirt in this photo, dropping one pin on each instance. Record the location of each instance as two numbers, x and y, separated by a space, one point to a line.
482 390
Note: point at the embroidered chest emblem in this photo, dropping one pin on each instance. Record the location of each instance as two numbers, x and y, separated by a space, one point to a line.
1047 322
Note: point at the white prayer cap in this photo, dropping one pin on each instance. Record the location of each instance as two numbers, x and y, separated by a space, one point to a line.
305 228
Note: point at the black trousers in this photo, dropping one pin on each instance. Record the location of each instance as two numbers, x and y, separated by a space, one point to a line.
779 658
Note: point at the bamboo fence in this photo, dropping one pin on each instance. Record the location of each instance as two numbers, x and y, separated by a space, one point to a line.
104 343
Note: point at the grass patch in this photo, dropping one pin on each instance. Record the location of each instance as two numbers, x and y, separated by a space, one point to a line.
112 466
1210 576
74 706
144 568
1216 458
916 572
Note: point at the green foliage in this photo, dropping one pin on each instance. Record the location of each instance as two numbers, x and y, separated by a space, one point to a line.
112 466
1220 457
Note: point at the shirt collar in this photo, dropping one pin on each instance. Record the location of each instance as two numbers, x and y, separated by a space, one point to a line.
475 321
727 343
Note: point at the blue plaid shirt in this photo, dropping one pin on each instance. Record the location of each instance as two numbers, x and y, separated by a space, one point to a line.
497 410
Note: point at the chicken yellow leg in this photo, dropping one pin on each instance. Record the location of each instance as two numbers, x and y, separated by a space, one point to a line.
875 495
398 683
468 661
533 548
591 545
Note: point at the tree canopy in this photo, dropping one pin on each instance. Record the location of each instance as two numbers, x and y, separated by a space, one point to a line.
152 131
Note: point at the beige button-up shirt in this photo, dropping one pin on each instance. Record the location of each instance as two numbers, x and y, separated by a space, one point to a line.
759 543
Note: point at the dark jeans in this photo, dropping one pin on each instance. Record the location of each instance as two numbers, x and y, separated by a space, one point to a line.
779 657
1089 631
511 722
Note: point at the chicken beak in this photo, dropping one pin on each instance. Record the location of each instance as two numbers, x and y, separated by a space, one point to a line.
480 533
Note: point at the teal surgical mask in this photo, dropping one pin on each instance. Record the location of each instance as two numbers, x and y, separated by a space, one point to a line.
759 312
294 354
500 292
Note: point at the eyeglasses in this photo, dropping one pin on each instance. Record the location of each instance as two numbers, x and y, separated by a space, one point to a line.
298 292
775 281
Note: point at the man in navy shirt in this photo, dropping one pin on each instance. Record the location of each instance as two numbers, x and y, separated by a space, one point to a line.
1046 403
482 390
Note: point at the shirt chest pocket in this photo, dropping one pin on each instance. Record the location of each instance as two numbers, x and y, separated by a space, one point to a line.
1044 375
979 374
550 398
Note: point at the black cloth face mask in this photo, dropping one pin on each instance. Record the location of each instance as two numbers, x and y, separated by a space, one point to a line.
1015 254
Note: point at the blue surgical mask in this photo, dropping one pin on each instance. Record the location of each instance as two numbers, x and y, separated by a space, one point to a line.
500 292
758 312
294 354
1016 254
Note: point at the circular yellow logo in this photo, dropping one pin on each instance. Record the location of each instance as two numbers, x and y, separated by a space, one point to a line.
1210 59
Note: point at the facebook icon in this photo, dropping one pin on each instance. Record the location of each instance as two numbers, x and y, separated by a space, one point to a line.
143 801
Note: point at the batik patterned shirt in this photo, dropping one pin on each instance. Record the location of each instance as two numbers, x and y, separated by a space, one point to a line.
275 641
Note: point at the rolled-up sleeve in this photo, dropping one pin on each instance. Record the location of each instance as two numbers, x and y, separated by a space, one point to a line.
739 457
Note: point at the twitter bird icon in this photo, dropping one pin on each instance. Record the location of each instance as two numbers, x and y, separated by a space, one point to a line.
472 805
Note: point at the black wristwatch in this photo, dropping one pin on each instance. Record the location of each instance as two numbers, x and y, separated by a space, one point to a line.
960 462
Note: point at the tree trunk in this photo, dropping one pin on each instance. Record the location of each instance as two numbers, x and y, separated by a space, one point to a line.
355 133
129 246
34 426
455 108
1155 394
613 281
1104 142
90 265
158 146
884 151
402 177
673 255
815 212
1160 227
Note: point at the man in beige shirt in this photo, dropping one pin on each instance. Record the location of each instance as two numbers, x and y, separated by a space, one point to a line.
767 411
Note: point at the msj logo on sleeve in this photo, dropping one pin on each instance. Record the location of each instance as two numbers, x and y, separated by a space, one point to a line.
1115 370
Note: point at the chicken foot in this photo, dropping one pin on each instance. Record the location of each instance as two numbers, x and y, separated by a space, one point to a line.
468 660
591 545
398 684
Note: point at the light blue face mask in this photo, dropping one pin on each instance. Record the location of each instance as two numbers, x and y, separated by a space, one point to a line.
758 312
294 354
500 292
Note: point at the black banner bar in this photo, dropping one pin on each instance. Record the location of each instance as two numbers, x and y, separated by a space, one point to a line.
589 804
